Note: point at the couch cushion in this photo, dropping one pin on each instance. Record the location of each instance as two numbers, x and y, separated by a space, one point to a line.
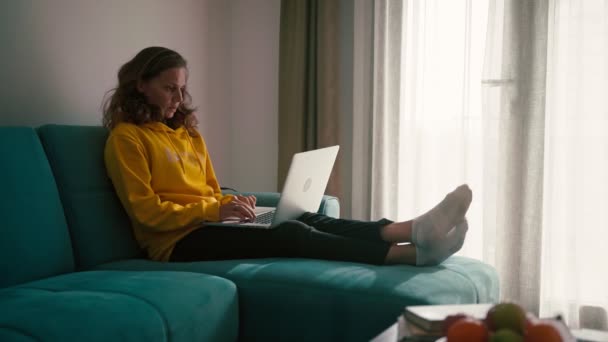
314 300
100 228
35 241
126 306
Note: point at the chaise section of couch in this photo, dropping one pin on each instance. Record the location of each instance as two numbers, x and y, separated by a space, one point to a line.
44 298
121 306
278 298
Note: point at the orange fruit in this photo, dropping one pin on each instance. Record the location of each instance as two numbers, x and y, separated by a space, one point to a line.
543 332
468 330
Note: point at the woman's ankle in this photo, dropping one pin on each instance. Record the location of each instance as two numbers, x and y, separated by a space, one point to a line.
401 255
397 232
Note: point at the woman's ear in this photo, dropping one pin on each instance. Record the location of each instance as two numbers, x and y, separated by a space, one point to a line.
141 85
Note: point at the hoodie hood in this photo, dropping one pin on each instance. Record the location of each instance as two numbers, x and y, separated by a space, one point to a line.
161 127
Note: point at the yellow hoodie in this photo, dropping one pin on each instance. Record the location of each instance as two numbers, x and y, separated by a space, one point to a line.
165 181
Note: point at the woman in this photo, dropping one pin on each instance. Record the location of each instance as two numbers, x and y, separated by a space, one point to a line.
162 173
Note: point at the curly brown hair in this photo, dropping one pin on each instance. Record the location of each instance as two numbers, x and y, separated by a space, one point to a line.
126 104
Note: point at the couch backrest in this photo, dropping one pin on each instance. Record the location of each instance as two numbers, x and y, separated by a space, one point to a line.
100 228
34 238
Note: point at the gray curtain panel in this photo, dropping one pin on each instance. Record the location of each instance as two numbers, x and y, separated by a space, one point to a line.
309 82
517 77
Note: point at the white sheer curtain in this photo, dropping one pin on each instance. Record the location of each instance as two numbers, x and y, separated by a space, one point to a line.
575 214
428 131
507 96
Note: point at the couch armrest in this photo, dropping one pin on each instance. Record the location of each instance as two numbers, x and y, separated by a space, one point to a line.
330 205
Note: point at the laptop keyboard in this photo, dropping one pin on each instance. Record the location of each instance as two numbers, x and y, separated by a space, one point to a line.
265 218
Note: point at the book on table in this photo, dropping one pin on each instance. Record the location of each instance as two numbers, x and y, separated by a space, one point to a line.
430 318
407 332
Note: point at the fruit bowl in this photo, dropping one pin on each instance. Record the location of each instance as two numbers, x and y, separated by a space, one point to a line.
504 322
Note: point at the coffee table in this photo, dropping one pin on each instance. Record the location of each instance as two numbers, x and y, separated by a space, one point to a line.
395 333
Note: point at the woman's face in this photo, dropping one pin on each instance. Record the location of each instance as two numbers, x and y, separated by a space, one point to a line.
165 90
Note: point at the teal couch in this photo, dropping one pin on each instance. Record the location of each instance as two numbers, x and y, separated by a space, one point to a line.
71 269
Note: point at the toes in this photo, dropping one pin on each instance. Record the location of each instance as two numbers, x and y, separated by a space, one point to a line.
464 193
464 197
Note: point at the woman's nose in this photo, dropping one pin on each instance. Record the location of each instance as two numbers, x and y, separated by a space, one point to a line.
179 97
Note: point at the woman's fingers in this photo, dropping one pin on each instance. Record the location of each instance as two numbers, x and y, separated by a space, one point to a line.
250 200
246 210
241 199
253 200
240 209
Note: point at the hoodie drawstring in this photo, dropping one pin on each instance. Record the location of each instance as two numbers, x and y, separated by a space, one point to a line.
180 157
200 163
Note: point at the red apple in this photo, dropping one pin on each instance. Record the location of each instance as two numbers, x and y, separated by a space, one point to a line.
468 330
531 319
543 331
450 320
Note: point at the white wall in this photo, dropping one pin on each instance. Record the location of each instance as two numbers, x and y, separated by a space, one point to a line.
59 57
254 94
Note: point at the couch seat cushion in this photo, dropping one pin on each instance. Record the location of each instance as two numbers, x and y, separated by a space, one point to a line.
315 300
126 306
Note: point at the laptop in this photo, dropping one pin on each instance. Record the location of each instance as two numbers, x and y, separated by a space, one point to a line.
302 191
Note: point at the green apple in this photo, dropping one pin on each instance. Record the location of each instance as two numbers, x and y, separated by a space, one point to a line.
507 316
506 335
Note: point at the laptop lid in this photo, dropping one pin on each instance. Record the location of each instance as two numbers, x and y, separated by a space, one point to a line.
303 189
305 184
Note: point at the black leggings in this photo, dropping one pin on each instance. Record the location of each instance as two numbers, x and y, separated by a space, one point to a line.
314 236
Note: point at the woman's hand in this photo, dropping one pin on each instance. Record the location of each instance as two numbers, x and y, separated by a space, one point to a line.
239 208
247 199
